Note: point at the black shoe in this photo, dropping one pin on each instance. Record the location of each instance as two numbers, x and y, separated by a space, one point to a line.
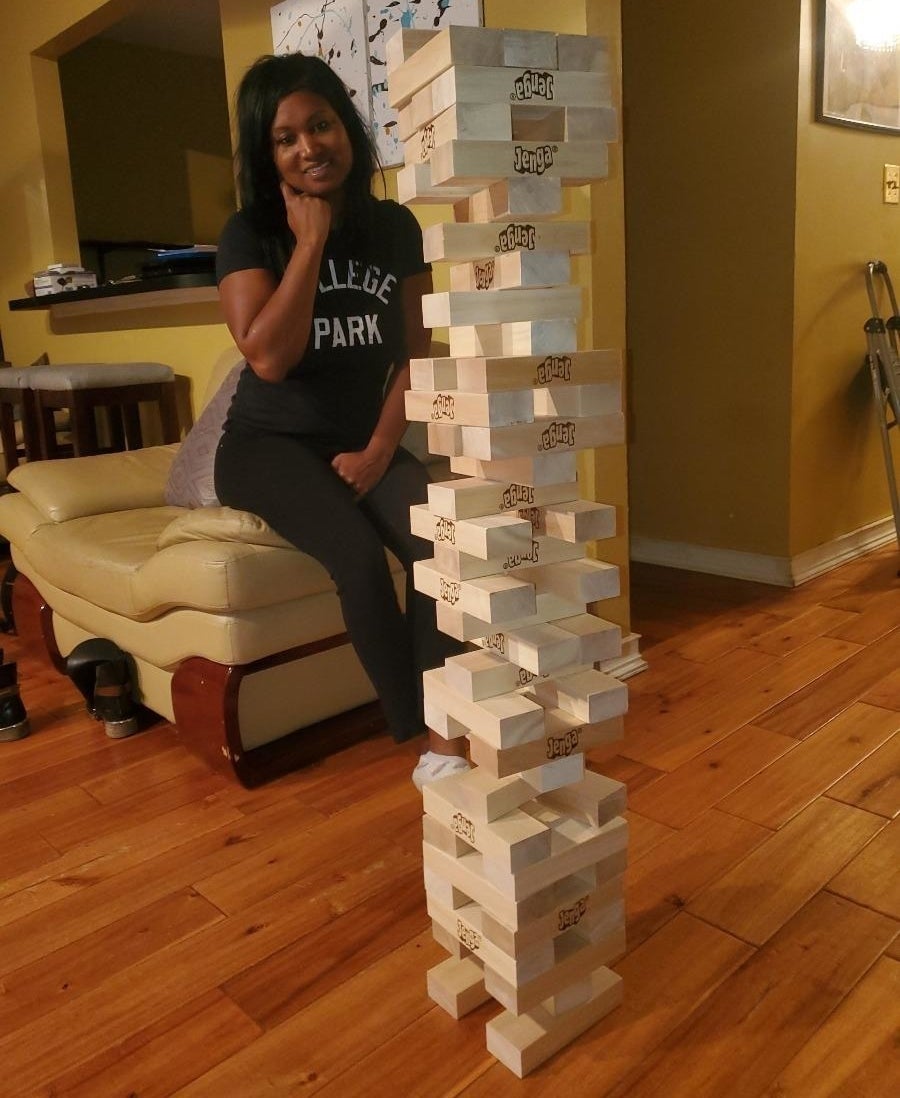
112 701
14 723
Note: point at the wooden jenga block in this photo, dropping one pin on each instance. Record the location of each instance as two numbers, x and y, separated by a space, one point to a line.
598 639
466 627
523 1042
532 123
579 521
463 122
581 901
590 124
465 925
481 797
522 197
554 775
454 45
574 995
493 599
526 48
483 375
581 581
522 86
435 374
540 471
462 566
414 187
467 873
541 437
475 409
514 270
574 163
589 696
596 799
574 956
457 242
438 720
564 736
574 846
518 337
451 842
480 674
403 44
501 306
477 498
582 53
507 719
513 841
540 649
489 536
445 438
457 986
449 941
577 400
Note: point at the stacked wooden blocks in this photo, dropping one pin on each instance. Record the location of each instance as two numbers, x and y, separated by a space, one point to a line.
524 855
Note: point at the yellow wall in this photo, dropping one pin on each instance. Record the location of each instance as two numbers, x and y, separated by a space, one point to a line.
838 481
130 137
748 225
711 93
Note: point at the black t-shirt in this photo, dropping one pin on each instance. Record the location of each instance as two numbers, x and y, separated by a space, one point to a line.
333 396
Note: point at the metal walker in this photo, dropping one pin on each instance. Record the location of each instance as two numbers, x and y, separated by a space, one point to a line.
883 360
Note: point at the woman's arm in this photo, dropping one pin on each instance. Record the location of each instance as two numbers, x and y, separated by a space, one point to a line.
271 320
364 468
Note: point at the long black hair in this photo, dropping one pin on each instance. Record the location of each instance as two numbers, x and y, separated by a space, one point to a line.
268 80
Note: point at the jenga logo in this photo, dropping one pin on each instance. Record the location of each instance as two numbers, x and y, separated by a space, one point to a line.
537 516
427 141
533 85
558 434
470 938
560 746
515 559
445 530
525 677
516 235
572 916
516 494
497 641
461 825
554 368
484 275
534 161
443 407
449 591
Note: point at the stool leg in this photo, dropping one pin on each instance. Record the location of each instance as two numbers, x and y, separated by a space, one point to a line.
168 412
8 436
131 422
84 427
31 435
47 443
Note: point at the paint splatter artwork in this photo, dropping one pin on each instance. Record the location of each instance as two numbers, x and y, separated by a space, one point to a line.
351 35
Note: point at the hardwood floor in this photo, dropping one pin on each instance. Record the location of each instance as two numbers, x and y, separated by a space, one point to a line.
163 931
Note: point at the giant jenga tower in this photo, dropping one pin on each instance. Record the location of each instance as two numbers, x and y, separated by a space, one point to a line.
524 855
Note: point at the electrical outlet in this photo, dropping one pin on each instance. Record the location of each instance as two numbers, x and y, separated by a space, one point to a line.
892 184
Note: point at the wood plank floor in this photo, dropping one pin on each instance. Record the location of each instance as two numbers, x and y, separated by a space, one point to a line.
163 931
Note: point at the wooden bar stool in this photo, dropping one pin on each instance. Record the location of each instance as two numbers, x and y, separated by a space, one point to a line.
15 394
119 387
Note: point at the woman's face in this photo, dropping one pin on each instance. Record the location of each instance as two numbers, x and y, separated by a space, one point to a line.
310 146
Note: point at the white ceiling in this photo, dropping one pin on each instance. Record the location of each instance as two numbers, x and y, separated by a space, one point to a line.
186 26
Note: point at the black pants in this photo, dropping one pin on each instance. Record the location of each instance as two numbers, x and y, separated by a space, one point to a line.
294 489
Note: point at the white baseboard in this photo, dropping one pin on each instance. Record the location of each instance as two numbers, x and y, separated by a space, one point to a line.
779 571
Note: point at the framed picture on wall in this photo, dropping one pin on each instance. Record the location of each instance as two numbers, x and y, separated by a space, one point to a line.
351 34
858 64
